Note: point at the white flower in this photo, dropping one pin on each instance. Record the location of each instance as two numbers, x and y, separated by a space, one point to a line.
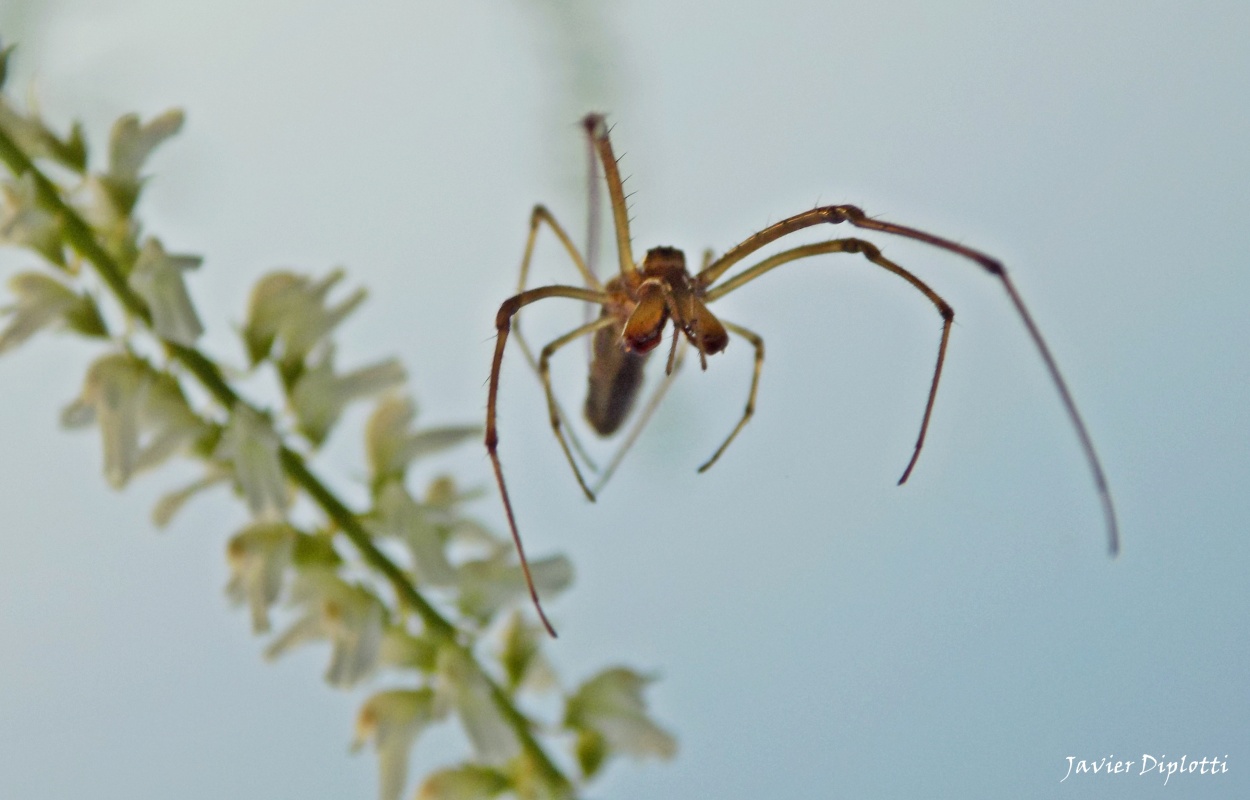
611 705
462 686
348 616
167 419
109 197
522 658
392 720
158 279
292 309
391 443
38 140
43 301
252 447
25 223
112 397
320 395
143 415
489 584
131 142
402 650
400 516
258 556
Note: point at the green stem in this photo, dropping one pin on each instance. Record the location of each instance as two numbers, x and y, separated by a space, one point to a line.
79 235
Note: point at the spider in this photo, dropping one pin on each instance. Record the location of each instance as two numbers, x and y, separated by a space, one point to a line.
637 304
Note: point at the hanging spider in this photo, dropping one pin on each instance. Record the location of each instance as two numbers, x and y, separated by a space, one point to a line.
637 304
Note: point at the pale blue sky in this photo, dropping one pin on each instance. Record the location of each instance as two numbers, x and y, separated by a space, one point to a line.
818 631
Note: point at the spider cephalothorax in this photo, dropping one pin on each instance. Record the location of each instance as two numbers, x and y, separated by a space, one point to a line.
638 303
667 290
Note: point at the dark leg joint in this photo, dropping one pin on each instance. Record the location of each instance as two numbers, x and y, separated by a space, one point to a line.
503 320
837 214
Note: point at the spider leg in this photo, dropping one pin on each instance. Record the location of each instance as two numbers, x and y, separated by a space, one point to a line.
869 251
503 324
553 408
594 202
538 217
541 215
856 217
594 227
597 129
758 343
653 402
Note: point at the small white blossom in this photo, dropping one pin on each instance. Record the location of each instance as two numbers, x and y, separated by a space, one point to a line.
400 516
292 309
611 705
109 219
402 650
116 191
487 585
521 656
392 721
143 415
41 301
391 443
347 616
112 397
37 140
25 223
251 446
461 685
258 556
158 279
320 395
167 419
131 142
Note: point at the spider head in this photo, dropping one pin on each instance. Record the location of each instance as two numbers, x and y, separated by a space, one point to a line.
666 263
667 289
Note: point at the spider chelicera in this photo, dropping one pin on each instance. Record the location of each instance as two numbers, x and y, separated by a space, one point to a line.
637 304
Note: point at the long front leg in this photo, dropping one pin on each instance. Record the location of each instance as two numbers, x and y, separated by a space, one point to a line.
597 128
873 254
503 324
855 216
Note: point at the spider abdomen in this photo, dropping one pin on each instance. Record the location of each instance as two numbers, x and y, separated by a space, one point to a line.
615 379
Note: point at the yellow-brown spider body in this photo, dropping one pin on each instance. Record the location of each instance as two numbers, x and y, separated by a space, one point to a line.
641 305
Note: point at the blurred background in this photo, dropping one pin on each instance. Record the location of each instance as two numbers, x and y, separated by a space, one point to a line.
817 631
